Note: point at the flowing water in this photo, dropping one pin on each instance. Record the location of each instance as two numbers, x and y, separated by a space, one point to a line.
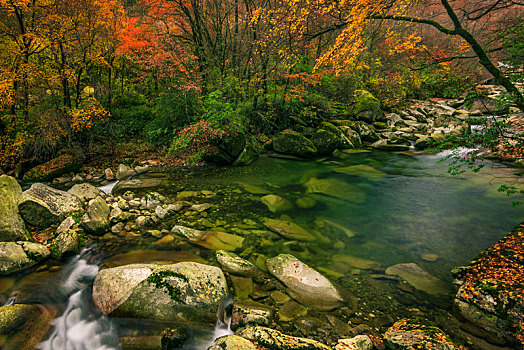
383 207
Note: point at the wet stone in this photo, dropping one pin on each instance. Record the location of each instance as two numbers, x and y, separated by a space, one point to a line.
250 313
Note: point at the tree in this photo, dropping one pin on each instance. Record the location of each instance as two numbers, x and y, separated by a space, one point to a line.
455 18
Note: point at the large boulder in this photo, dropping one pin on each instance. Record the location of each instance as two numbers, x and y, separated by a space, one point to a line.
227 151
410 334
232 342
12 227
366 107
67 242
491 293
293 143
274 339
43 206
325 141
18 256
185 292
215 240
59 166
96 219
304 283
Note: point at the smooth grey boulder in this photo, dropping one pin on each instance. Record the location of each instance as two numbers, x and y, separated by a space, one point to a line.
43 206
96 219
18 256
185 292
234 264
12 227
86 192
304 283
419 278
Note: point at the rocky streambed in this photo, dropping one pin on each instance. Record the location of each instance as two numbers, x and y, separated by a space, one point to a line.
353 251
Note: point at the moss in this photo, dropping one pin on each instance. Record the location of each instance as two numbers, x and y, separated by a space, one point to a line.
159 280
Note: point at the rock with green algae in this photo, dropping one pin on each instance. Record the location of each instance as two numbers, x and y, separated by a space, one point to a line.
232 342
289 230
336 188
186 292
304 283
356 262
43 206
491 290
274 339
366 107
409 334
246 312
235 265
18 256
68 241
96 219
325 141
419 278
24 325
61 165
12 227
362 170
293 143
215 240
276 203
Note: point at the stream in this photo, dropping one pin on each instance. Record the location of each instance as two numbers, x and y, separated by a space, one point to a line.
383 207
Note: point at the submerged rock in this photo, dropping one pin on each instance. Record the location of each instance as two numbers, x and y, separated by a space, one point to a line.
293 143
417 334
210 239
419 278
275 340
289 230
276 203
12 227
250 313
24 325
43 206
185 292
304 283
336 188
353 261
18 256
232 342
362 170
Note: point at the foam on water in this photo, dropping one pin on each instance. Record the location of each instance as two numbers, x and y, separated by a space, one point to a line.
80 326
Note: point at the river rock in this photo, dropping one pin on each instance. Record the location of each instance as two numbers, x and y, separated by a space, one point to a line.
336 188
366 107
86 192
422 142
276 203
289 230
232 342
293 143
18 256
139 184
124 172
25 325
325 141
275 340
210 239
409 334
43 206
61 165
250 313
185 292
290 311
67 241
419 278
490 294
304 283
360 342
96 219
234 264
163 211
12 227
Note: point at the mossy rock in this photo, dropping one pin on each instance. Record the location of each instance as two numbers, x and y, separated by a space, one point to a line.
325 141
366 107
59 166
293 143
12 227
417 333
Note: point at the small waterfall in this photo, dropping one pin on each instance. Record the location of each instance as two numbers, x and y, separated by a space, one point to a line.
10 301
80 327
109 187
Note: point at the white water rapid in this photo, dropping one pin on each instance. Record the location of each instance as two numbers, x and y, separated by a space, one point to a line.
80 327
